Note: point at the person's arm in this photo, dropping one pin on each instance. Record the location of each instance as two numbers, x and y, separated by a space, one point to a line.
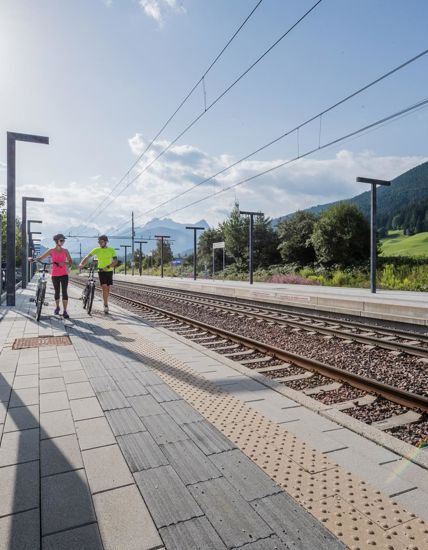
69 258
85 259
42 257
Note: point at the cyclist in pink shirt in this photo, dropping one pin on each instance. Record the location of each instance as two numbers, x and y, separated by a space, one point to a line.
61 259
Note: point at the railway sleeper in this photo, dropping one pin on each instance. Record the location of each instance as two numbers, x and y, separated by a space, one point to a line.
397 420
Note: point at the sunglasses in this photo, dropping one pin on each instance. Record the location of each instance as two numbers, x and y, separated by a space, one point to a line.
61 240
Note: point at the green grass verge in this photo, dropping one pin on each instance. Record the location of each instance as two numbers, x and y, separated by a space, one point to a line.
397 244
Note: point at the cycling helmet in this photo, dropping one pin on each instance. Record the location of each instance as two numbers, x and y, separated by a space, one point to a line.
103 238
58 237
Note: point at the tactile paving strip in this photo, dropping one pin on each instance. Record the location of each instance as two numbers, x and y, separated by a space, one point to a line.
359 515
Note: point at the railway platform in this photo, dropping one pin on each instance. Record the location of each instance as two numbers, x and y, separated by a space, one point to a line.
118 434
390 305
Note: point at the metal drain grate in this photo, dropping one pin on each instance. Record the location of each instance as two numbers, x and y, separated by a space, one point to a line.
41 341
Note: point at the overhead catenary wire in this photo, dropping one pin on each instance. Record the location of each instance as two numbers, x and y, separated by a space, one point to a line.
182 103
399 114
99 210
287 133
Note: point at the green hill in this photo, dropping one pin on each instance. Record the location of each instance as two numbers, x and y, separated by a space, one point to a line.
405 192
397 244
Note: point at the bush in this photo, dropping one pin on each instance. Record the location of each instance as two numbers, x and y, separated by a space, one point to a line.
292 279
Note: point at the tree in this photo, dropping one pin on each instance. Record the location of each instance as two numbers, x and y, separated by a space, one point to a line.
295 237
205 245
341 236
265 244
18 239
167 253
235 230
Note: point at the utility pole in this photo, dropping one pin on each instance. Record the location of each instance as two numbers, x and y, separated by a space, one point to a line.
140 263
162 238
195 230
114 267
125 246
24 254
12 138
373 228
133 243
30 267
250 240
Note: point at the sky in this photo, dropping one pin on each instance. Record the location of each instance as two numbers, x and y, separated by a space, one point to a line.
101 77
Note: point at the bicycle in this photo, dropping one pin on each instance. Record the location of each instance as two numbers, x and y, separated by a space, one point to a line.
89 291
39 299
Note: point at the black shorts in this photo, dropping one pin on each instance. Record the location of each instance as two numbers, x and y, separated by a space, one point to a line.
106 277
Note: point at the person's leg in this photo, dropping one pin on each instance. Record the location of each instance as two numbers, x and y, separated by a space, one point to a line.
56 284
106 291
64 289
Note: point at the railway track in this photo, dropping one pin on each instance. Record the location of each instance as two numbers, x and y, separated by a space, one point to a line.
266 358
391 339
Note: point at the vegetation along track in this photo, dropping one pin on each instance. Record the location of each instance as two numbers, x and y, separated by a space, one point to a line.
304 361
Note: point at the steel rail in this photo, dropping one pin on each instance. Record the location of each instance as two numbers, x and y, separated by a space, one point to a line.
316 317
369 340
391 393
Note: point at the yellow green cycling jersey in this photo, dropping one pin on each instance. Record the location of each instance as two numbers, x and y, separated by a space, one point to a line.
105 257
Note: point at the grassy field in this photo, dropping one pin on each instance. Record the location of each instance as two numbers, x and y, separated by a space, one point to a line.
397 244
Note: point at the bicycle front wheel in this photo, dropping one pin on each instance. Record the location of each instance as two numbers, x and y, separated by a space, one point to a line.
85 297
40 302
91 298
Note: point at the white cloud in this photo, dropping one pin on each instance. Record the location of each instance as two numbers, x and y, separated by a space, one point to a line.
301 184
159 9
2 165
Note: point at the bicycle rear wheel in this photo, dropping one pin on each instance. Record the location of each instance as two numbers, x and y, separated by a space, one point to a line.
85 296
91 298
40 302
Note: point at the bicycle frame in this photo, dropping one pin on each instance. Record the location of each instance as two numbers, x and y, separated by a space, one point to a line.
89 290
41 289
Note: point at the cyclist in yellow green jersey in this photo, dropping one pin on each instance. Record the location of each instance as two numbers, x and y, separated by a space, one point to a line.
107 260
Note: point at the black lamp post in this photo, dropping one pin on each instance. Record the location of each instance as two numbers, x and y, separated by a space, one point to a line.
24 254
126 246
140 264
162 238
250 239
195 230
373 228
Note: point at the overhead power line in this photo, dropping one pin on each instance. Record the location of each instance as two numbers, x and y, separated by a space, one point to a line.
399 114
207 108
181 104
287 133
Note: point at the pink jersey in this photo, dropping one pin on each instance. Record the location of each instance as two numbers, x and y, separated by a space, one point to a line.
58 257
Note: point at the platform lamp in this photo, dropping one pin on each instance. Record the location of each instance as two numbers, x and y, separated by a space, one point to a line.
250 239
195 230
126 246
373 227
140 266
24 255
27 250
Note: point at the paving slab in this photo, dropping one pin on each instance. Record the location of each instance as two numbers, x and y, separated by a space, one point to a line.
28 381
149 378
296 527
55 424
271 543
145 405
5 393
83 409
78 390
103 383
141 451
182 412
247 478
124 421
207 438
51 372
73 376
112 400
81 538
19 487
190 463
26 396
231 516
163 392
164 429
125 521
55 401
20 531
59 455
22 418
167 497
49 385
197 534
94 433
59 513
131 387
106 469
16 447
